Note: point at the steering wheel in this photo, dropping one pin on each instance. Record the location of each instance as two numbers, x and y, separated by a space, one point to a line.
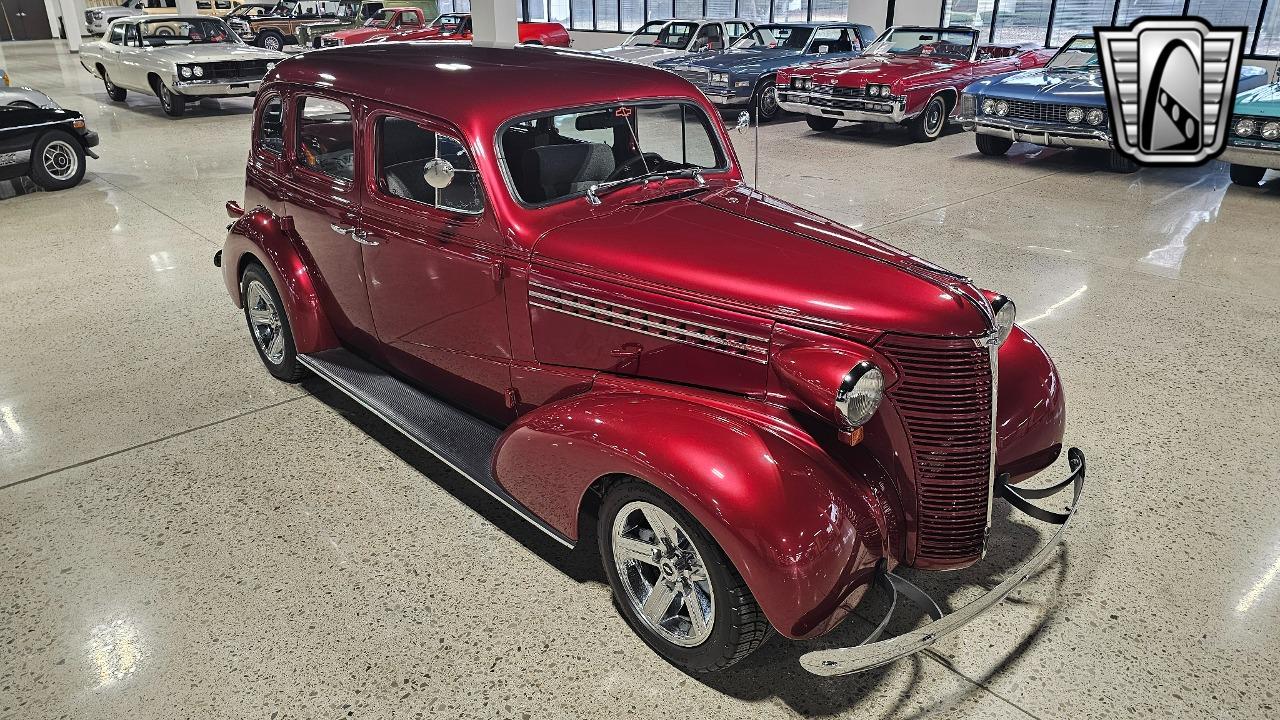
650 159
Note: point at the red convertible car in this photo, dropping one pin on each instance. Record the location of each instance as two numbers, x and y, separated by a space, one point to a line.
457 27
566 292
909 76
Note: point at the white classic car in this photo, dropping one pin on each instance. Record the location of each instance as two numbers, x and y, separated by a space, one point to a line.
176 58
661 39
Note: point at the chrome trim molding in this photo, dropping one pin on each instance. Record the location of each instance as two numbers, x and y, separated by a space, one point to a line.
1251 156
1040 135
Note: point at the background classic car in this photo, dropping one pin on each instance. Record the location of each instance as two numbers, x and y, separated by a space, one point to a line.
744 74
1061 105
47 144
909 76
456 27
194 57
388 21
353 14
664 39
97 19
746 465
274 29
1253 146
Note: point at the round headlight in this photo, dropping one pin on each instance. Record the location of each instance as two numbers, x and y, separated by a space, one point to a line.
988 106
1002 108
184 71
860 392
1005 315
873 90
1094 117
199 71
1271 131
1245 128
1075 115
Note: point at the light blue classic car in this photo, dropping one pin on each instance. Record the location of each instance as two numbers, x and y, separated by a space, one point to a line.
1062 104
1254 144
743 75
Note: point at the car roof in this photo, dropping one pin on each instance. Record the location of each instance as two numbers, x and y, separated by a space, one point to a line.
518 80
165 18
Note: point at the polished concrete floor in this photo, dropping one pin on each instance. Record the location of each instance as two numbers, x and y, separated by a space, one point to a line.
182 536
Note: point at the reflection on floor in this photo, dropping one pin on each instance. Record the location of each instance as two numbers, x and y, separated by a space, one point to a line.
187 537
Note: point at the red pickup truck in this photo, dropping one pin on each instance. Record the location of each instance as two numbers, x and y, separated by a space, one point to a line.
387 22
457 27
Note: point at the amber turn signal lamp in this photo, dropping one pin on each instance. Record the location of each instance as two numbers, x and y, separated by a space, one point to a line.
851 437
78 123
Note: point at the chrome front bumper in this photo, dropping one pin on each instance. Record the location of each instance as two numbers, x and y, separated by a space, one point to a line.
1041 135
1252 156
891 111
216 88
873 653
719 98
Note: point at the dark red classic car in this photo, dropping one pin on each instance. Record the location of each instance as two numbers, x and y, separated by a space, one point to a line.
457 27
909 76
567 293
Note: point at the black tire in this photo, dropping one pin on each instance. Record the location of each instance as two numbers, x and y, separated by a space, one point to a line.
929 124
1247 175
821 123
1118 163
173 102
286 367
116 93
315 44
992 145
764 101
738 627
64 165
269 40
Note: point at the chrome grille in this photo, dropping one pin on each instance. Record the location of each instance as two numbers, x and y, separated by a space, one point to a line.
696 76
837 91
1040 112
235 70
944 398
326 41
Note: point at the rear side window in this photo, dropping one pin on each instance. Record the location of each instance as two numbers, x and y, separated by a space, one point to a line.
426 167
326 139
271 127
117 34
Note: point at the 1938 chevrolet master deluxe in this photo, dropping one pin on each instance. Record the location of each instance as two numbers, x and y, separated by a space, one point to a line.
574 301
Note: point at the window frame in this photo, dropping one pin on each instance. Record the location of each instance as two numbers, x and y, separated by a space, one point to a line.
500 157
297 100
258 148
373 181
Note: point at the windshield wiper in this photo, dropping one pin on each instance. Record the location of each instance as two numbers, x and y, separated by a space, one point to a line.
594 192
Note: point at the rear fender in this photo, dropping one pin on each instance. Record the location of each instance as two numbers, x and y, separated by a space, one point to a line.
262 236
804 533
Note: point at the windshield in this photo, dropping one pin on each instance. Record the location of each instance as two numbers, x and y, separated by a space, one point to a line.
381 19
953 44
663 34
775 36
249 11
1080 52
186 31
561 155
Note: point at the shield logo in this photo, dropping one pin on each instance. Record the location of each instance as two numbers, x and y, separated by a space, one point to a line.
1170 83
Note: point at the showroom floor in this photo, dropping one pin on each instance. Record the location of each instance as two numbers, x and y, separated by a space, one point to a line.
185 537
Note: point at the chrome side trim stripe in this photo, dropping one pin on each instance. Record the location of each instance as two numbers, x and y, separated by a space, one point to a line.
589 298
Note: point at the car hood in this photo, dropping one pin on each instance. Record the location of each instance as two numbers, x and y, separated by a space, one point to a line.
1263 101
743 249
214 53
879 68
735 59
641 54
1075 86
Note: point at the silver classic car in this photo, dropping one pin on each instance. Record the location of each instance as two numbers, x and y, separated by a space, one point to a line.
664 39
176 57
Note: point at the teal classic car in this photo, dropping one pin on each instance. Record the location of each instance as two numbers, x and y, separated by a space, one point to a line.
1254 144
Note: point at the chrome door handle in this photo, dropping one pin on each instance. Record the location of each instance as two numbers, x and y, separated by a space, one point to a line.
341 229
362 237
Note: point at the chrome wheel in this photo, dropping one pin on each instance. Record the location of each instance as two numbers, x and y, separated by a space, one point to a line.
264 321
663 576
59 160
271 42
768 102
933 118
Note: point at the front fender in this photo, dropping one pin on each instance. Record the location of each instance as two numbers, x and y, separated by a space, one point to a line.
263 236
1031 411
804 533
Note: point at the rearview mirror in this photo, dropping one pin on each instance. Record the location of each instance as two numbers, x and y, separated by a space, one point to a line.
744 121
438 173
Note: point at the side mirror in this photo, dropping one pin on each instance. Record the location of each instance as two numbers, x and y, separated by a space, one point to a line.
744 121
438 173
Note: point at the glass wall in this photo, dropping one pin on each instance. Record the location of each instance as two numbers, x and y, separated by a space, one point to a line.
1053 22
627 15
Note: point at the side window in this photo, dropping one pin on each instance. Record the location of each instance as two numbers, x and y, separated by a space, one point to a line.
271 126
736 30
117 34
406 156
171 3
410 19
325 141
709 38
131 35
832 40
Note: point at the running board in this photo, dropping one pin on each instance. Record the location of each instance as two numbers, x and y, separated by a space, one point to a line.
460 440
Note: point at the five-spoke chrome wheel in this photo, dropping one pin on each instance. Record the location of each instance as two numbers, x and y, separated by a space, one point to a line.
60 160
264 322
663 575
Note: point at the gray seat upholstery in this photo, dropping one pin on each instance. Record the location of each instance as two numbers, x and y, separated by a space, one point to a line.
558 170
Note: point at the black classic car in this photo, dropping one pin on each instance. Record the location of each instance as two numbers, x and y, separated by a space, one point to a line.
49 144
744 74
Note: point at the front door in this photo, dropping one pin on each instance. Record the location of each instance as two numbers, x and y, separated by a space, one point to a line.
435 276
322 198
